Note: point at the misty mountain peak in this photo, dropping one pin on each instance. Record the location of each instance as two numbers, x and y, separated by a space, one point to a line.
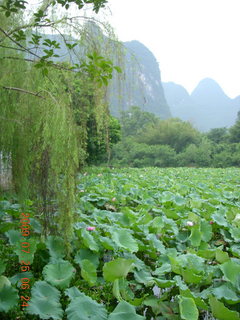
208 90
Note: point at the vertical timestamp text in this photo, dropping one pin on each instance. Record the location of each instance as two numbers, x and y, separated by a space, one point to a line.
25 265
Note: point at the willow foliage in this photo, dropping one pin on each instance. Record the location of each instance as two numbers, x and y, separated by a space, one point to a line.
45 129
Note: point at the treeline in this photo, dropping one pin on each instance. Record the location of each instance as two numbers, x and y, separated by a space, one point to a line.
149 141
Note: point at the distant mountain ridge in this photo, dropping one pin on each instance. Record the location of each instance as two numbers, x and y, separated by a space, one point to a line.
206 107
142 86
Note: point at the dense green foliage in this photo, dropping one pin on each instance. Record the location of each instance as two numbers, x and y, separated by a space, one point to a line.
148 244
54 115
150 141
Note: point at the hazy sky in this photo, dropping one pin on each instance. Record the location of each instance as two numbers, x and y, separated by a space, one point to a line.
191 39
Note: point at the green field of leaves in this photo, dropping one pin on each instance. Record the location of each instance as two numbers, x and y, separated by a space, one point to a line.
148 244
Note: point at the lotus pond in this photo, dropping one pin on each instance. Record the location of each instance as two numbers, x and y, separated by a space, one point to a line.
148 243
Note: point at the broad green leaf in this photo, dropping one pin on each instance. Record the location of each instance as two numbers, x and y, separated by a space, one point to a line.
89 241
227 292
207 253
164 283
25 249
195 236
122 291
124 311
221 256
235 249
188 309
221 312
85 308
231 271
143 276
89 272
59 274
220 219
16 279
179 200
108 243
8 297
45 301
73 293
190 277
116 269
86 254
124 239
4 281
206 231
157 224
157 244
14 236
165 268
199 302
36 225
56 246
235 233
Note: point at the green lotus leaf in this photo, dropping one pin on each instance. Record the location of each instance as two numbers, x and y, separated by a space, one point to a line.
4 281
89 240
86 254
25 249
199 302
231 271
125 240
59 274
16 279
220 219
235 249
206 231
143 276
56 246
157 244
85 308
221 256
89 272
220 312
125 311
188 309
196 236
14 236
73 293
8 296
45 301
227 292
235 233
116 269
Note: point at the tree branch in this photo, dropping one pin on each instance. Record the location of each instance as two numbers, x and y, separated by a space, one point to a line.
36 94
57 66
18 44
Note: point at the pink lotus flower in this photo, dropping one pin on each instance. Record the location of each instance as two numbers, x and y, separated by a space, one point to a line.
211 222
81 190
190 223
91 228
114 199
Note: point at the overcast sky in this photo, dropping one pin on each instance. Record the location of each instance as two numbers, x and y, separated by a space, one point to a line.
191 39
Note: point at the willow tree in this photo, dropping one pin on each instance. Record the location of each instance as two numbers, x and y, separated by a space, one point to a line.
39 132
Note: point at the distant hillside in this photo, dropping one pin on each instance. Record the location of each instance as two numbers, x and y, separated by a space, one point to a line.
206 108
142 85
